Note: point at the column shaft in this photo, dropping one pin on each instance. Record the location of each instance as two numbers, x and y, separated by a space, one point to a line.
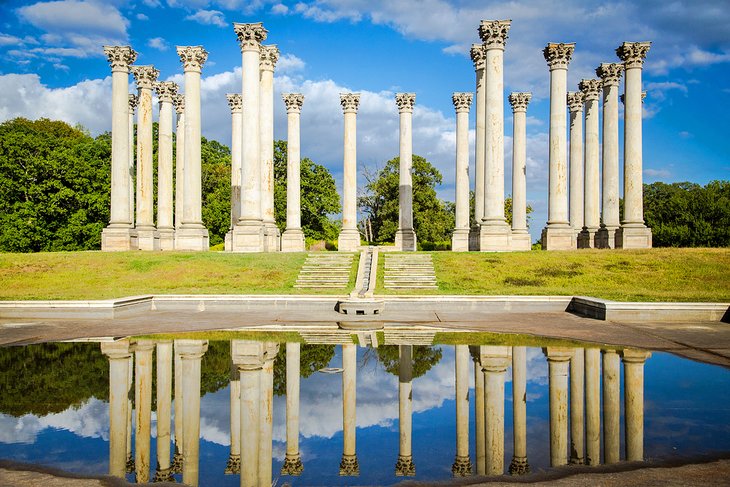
349 239
593 405
462 463
233 466
118 354
292 462
575 105
269 57
292 240
495 361
478 55
558 363
460 239
179 159
130 176
520 237
266 418
349 464
592 190
191 353
634 402
178 408
519 463
577 408
143 404
164 410
405 237
611 407
405 465
479 417
250 426
165 92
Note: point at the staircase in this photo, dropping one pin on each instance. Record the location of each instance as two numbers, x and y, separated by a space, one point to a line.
325 270
409 271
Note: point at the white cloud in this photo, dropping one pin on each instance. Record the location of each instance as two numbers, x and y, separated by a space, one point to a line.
658 90
208 17
657 173
280 9
152 3
8 40
289 63
158 43
685 134
142 17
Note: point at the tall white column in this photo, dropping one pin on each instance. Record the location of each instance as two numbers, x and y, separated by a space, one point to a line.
633 360
292 240
462 463
495 361
233 465
191 353
130 407
235 102
118 235
248 234
558 362
269 57
460 238
177 459
478 56
405 236
633 234
271 349
147 236
133 100
143 403
479 416
405 466
519 465
293 460
610 75
164 410
577 406
575 107
118 355
349 238
349 465
166 91
179 159
192 234
558 234
520 236
593 405
611 407
591 89
494 234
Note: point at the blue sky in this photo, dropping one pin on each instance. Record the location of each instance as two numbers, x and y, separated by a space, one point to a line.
52 65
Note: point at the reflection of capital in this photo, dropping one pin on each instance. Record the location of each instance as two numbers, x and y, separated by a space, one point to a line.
519 466
461 467
233 466
478 56
461 101
591 89
292 465
250 36
633 53
493 33
519 101
350 102
293 102
120 57
405 467
235 101
610 73
349 466
268 57
575 101
145 76
558 55
192 57
405 101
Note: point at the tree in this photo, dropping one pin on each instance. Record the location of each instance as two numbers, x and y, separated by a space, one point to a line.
424 358
216 184
507 210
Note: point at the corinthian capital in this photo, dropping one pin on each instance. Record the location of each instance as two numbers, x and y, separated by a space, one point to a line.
558 55
519 101
633 53
145 76
461 100
293 102
179 102
493 33
350 102
235 101
478 56
610 73
268 57
192 57
166 90
133 101
250 36
591 89
575 101
405 102
120 57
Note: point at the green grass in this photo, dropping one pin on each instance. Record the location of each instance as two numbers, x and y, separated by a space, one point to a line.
503 339
226 335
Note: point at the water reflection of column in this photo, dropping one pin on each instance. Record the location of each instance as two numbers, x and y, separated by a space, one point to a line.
130 382
634 402
611 407
267 408
577 396
495 361
249 358
519 465
164 406
462 463
593 406
479 413
558 361
349 465
177 459
405 465
118 354
293 461
191 351
143 403
233 466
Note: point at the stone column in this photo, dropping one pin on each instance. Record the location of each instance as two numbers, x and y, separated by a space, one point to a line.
133 100
191 352
494 234
177 460
405 236
611 407
293 460
610 75
166 90
495 361
179 160
233 466
575 107
633 234
143 403
591 89
248 234
478 56
558 362
192 235
130 407
147 236
593 405
519 465
119 234
558 235
292 240
349 238
269 57
460 238
462 462
349 465
164 410
577 406
405 466
634 402
479 416
520 236
118 355
267 411
235 101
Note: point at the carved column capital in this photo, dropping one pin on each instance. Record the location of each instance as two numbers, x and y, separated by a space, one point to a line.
575 101
293 102
558 55
235 101
250 36
591 89
145 76
350 102
192 57
478 56
610 73
120 57
133 101
462 101
166 91
493 33
179 102
268 57
622 97
405 102
519 101
633 53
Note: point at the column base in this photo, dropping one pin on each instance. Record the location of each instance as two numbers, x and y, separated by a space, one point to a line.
606 237
460 240
405 467
292 465
272 237
118 239
559 238
233 466
520 241
167 238
519 466
494 236
248 236
633 236
292 240
474 238
461 467
228 241
148 238
177 462
575 460
405 240
349 240
163 475
192 238
587 238
349 466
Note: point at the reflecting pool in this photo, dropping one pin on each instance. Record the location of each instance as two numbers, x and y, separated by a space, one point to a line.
321 409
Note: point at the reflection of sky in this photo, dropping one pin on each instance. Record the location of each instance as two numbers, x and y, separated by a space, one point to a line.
686 414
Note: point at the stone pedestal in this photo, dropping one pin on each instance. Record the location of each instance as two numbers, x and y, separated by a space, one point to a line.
405 236
166 91
235 102
349 238
118 355
558 362
495 361
519 465
292 240
520 237
591 89
462 463
269 57
460 237
634 402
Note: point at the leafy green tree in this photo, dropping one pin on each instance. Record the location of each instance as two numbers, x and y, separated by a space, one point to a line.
311 359
424 358
507 210
216 184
